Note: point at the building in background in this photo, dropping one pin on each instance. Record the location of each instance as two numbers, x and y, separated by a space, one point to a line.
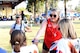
7 6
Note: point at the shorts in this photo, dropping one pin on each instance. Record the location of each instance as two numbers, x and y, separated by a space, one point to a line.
47 49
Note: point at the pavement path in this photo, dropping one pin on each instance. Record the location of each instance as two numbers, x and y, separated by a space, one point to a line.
6 23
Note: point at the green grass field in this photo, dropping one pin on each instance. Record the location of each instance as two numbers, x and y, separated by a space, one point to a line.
5 37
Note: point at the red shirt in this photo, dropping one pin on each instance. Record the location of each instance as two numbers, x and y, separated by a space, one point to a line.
51 34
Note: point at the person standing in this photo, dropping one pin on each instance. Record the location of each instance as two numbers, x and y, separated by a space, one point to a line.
19 25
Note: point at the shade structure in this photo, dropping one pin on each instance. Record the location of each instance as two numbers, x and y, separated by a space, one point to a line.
27 13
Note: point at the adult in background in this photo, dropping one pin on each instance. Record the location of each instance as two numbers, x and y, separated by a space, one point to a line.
19 25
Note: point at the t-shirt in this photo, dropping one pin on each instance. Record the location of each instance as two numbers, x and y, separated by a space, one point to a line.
18 26
29 49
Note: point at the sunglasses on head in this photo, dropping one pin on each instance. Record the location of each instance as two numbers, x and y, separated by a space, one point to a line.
52 15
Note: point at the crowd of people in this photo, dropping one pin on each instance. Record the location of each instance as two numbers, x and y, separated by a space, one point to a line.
58 34
4 18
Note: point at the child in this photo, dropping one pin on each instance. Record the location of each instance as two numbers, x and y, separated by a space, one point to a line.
18 43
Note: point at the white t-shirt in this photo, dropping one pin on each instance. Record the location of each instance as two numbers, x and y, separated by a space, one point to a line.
63 45
17 26
28 49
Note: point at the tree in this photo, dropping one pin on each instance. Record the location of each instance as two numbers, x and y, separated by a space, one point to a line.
65 7
78 8
37 5
40 7
33 6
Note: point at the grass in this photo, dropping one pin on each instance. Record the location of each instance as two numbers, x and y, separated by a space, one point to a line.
5 37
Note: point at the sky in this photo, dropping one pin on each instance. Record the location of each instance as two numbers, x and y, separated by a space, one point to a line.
73 3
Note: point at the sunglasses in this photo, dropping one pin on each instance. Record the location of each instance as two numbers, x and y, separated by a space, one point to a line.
53 15
17 17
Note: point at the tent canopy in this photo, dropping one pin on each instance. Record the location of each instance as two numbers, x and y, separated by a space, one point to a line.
27 13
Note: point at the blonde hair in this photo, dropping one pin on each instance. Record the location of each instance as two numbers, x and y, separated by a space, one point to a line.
58 12
67 29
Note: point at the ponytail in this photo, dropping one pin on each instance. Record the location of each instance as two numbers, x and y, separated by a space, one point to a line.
17 47
18 39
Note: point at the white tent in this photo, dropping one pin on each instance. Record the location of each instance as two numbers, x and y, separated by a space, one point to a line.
27 13
21 5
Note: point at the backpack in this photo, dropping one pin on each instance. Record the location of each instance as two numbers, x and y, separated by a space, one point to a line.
15 26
